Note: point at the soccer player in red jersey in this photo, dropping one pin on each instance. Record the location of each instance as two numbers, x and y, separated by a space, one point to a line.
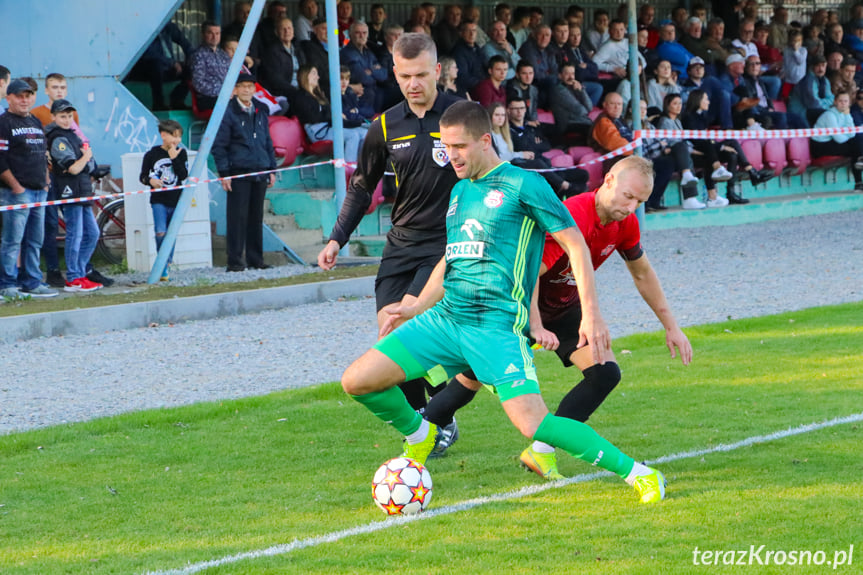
607 220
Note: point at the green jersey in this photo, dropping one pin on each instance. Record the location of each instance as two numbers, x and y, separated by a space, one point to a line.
496 228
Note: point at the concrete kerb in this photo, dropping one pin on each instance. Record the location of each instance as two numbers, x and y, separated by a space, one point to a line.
134 315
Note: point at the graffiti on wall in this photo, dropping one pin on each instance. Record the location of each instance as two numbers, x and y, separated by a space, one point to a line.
131 129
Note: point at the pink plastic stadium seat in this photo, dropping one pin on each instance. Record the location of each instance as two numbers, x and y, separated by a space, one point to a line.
287 138
562 161
798 154
594 170
752 149
779 106
774 156
594 113
552 153
578 152
545 117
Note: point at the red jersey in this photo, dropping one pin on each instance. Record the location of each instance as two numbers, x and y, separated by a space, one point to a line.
557 289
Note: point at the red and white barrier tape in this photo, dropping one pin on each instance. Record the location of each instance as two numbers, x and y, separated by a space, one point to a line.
746 134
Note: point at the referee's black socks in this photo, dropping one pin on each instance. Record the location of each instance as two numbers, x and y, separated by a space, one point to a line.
583 399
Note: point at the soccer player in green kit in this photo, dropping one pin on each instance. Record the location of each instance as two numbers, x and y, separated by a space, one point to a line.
481 293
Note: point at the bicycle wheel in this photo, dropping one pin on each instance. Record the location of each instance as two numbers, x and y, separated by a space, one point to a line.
112 227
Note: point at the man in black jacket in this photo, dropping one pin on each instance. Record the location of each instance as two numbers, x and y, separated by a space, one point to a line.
315 52
243 146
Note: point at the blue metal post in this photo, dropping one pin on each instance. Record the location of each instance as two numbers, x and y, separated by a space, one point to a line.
635 85
199 167
336 109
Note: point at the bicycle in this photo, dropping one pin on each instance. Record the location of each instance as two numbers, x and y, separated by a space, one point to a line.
111 219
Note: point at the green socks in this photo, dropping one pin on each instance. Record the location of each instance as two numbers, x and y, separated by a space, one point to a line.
391 407
581 441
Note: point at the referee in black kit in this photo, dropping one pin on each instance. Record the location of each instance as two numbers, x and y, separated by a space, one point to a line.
407 136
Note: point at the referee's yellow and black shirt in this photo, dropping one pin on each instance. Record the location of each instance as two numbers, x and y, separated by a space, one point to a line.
409 146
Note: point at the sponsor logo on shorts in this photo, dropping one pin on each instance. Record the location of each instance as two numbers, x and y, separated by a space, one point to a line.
464 250
439 154
493 199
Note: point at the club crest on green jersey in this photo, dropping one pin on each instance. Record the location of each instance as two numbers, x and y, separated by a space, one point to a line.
493 199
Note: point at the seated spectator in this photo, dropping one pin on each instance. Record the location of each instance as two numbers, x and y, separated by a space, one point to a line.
519 28
276 105
586 71
649 54
779 28
431 12
745 45
315 52
468 55
158 65
720 102
812 95
471 14
646 15
447 32
679 16
391 94
304 21
720 46
598 33
377 27
755 109
671 50
834 63
854 41
345 16
312 108
498 45
839 116
570 104
833 42
536 51
419 20
856 16
662 84
794 57
265 33
611 133
625 87
771 58
209 66
366 71
709 153
813 41
522 87
614 55
448 80
352 116
522 145
559 40
843 80
279 64
241 15
677 150
693 42
492 90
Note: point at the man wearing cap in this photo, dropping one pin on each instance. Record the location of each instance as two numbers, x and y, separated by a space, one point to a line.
23 179
733 75
719 112
243 146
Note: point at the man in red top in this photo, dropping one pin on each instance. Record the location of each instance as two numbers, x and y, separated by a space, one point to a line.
607 220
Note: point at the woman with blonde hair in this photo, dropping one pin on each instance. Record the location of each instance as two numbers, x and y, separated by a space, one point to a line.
448 75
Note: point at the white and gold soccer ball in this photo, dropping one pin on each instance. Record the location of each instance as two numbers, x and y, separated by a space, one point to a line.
402 486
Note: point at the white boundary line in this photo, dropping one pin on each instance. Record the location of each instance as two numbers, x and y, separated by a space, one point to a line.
297 544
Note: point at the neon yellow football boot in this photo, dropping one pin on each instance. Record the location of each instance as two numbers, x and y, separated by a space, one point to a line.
543 464
419 452
651 487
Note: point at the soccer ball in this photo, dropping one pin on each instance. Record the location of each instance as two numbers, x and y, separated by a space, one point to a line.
402 486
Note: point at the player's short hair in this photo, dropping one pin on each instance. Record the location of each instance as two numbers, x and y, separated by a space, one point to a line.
642 166
409 46
469 115
54 76
170 127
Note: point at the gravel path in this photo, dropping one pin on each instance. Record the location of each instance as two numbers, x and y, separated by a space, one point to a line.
709 274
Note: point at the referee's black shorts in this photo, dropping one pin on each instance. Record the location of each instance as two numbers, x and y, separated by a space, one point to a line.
406 264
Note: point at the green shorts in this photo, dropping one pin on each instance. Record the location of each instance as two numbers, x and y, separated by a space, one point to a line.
432 345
